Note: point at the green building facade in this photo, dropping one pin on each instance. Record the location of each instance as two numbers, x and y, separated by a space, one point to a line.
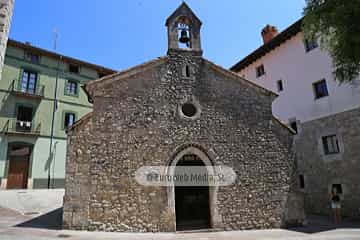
29 156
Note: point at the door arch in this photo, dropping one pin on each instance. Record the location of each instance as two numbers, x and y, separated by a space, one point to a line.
214 218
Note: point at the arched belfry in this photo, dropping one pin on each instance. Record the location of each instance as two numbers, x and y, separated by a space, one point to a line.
184 30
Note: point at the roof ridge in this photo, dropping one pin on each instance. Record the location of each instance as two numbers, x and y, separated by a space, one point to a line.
183 4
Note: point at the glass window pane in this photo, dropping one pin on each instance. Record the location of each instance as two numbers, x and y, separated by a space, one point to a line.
330 144
24 85
71 119
25 75
24 81
71 88
33 76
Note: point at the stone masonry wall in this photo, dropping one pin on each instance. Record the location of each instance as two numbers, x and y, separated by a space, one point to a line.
137 122
321 171
294 212
77 179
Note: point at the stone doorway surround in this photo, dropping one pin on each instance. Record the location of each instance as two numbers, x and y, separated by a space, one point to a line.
215 218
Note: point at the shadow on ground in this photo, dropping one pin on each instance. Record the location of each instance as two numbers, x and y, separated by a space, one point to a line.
50 220
316 224
325 223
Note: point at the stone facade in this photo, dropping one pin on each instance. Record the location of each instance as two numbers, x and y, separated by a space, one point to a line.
322 170
137 121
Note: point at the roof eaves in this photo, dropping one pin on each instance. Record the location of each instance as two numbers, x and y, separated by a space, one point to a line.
292 131
234 75
42 51
266 48
122 74
84 119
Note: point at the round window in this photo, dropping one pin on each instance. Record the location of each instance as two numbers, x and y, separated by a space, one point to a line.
188 109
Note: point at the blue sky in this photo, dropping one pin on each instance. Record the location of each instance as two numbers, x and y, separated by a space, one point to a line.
122 33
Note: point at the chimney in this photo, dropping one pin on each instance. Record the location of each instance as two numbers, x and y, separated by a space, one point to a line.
268 33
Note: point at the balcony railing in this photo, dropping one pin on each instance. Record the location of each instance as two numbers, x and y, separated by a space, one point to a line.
22 127
37 91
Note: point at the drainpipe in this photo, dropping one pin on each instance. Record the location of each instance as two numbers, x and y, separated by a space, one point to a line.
51 157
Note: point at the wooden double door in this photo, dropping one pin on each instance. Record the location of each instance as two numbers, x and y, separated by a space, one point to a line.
19 158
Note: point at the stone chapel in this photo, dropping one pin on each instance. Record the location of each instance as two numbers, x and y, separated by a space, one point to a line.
175 110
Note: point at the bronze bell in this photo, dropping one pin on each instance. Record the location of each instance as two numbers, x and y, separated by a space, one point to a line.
184 38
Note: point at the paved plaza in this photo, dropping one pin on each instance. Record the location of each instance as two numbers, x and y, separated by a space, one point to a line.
19 219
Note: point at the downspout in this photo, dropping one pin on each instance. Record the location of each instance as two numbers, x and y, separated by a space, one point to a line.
53 122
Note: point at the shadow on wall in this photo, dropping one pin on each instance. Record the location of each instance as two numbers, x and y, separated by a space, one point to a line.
51 220
7 106
294 214
51 157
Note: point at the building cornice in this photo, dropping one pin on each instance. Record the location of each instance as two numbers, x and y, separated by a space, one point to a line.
55 55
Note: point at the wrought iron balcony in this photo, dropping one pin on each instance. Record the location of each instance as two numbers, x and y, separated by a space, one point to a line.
36 92
14 126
